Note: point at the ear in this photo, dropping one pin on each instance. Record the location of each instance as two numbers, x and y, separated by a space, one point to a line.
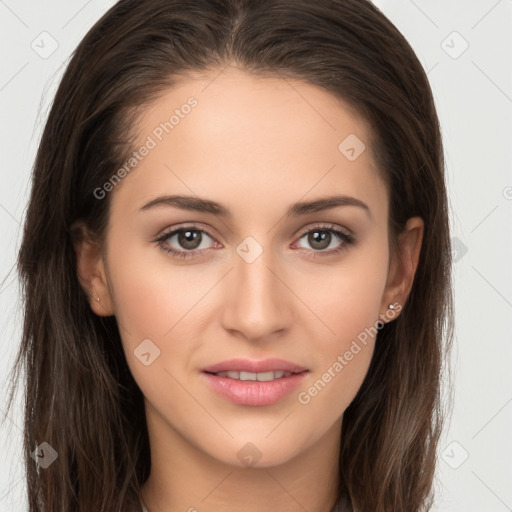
402 268
91 270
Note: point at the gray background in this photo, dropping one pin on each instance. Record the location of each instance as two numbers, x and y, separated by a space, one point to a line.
473 92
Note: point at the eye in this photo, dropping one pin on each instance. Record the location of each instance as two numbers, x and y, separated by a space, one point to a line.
188 240
322 237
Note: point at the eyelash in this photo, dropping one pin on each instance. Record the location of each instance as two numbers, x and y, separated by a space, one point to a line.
347 239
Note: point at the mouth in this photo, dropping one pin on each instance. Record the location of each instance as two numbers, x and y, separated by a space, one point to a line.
254 389
252 376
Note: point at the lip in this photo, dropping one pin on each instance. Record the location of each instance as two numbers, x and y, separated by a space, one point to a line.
254 393
248 365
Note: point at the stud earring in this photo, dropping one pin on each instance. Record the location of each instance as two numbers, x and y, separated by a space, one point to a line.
98 299
391 306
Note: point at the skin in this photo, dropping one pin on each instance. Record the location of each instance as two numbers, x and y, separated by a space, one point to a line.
256 145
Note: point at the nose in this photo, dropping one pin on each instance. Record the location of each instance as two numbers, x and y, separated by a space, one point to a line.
257 303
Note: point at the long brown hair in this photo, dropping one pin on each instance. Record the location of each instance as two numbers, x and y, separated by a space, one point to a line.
80 395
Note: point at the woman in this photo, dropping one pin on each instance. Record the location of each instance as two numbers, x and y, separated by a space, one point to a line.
236 265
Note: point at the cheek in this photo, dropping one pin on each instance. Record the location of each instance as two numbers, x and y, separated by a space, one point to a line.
343 356
348 303
152 293
154 300
346 298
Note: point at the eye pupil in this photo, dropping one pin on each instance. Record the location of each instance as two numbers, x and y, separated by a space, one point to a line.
189 239
321 237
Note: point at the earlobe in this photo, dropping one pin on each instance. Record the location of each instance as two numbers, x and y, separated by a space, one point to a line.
91 272
100 296
403 265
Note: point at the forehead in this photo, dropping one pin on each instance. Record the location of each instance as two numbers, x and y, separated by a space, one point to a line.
252 139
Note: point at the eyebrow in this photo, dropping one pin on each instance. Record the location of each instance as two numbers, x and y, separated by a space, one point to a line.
207 206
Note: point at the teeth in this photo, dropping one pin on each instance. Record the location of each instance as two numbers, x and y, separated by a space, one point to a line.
262 376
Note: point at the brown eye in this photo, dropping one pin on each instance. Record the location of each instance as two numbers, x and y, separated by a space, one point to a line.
189 239
322 237
319 239
184 242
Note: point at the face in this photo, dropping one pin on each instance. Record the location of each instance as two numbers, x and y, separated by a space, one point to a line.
249 277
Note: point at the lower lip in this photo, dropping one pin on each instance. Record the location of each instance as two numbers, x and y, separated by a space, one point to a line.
254 393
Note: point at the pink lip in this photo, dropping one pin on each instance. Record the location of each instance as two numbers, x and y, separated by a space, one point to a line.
254 393
248 365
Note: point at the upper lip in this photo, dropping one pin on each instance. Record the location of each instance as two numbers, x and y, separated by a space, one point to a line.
252 366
